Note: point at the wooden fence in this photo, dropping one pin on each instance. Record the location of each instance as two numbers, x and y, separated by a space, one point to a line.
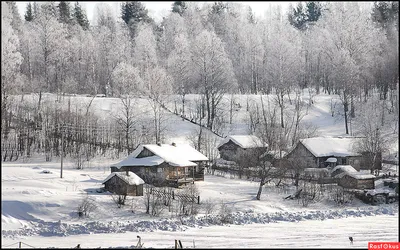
171 195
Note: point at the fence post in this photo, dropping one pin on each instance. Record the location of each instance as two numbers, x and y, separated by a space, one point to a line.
19 244
173 195
198 199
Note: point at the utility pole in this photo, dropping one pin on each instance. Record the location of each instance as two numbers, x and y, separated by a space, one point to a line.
62 149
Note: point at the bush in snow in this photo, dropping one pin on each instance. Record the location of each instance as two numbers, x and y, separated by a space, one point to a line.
119 199
340 196
225 213
310 193
208 206
87 206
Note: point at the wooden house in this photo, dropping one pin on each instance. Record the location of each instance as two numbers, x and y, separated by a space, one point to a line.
234 146
124 183
164 164
321 152
348 177
356 181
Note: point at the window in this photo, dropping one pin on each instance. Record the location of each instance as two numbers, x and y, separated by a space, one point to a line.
160 170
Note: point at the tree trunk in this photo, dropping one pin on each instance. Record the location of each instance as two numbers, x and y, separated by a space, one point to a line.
345 117
258 197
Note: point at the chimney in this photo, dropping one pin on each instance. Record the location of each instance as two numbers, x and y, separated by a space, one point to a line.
173 144
127 172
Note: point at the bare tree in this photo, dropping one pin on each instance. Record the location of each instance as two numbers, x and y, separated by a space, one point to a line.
86 206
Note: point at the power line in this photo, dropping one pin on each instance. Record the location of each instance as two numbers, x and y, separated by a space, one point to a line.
10 244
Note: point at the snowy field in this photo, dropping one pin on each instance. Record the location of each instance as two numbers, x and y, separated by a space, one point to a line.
33 203
303 234
40 209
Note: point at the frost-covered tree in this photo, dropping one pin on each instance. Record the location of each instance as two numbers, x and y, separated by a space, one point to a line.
180 68
127 84
158 88
145 51
172 26
213 72
126 80
11 60
349 44
283 60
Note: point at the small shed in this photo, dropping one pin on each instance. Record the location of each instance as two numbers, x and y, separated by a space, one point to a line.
127 183
356 180
341 169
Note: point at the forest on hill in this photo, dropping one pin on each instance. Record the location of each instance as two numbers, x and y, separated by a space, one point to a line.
212 51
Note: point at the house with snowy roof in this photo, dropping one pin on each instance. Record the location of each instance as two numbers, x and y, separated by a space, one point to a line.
234 145
348 177
124 183
164 164
321 152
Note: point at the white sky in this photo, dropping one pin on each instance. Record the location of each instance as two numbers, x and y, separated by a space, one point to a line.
157 10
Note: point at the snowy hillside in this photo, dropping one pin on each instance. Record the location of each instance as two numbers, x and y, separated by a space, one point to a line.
38 206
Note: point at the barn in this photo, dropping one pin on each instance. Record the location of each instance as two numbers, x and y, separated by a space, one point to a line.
235 145
124 183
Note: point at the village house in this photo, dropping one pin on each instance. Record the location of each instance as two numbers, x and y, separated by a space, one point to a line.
321 152
234 146
164 164
124 183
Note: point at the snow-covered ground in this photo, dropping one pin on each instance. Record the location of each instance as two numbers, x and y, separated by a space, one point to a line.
303 234
40 209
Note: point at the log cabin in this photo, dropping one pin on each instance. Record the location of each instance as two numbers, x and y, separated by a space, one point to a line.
234 146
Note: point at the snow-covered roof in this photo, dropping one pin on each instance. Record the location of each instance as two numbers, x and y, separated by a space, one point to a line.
132 179
331 159
178 155
275 153
330 146
350 171
345 168
146 161
244 141
360 176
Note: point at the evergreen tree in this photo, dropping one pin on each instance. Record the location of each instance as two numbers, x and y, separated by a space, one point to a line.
179 7
64 12
385 14
80 17
300 16
133 13
313 11
218 8
250 16
29 13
